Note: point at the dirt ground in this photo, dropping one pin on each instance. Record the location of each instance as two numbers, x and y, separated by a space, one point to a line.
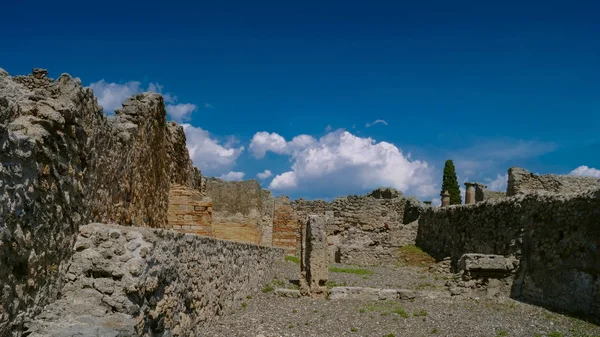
433 313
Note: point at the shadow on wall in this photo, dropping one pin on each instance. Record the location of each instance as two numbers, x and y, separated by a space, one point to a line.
556 239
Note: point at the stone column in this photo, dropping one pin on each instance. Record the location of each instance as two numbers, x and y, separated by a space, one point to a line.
314 258
470 193
445 199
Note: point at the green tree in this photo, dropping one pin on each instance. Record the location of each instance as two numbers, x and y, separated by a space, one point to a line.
450 183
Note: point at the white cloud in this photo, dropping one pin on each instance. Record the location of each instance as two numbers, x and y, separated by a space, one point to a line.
111 96
264 175
586 171
284 181
233 176
208 106
206 152
377 121
499 184
263 142
342 161
180 112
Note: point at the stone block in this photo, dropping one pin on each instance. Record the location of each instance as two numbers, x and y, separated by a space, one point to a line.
483 262
292 293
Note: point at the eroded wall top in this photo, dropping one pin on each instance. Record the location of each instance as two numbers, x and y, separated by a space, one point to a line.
521 181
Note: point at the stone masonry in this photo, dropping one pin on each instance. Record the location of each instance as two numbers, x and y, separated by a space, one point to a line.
521 181
63 164
143 282
314 259
554 238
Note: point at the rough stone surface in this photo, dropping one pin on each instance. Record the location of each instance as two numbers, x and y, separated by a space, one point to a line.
554 238
153 281
385 193
314 258
365 230
485 263
63 163
521 181
366 293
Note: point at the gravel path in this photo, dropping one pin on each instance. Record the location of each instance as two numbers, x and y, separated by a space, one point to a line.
437 314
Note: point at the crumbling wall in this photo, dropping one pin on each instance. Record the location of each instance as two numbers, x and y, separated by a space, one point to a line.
237 209
42 188
555 238
63 163
153 282
521 181
491 195
189 211
366 230
286 227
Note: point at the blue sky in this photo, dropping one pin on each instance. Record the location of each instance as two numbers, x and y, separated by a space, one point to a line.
487 85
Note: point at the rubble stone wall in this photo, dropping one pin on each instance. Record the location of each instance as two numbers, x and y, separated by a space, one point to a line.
64 163
154 281
555 237
521 181
366 230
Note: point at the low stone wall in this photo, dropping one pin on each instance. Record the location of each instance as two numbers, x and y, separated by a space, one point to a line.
555 238
160 280
521 181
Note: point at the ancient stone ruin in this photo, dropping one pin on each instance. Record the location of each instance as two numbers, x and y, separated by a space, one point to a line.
106 227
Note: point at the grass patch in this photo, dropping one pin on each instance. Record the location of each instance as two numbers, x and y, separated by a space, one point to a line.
420 313
268 288
400 311
435 330
292 258
353 329
279 283
556 334
389 335
355 271
502 333
244 305
385 309
248 297
332 284
412 255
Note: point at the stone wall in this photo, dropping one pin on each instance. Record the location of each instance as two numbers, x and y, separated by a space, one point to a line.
366 230
521 181
63 163
153 282
189 212
237 209
555 238
286 230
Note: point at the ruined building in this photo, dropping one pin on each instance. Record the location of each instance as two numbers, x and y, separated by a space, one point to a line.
108 216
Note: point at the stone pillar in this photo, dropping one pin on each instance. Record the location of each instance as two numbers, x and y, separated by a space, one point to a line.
470 193
314 258
480 192
445 199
